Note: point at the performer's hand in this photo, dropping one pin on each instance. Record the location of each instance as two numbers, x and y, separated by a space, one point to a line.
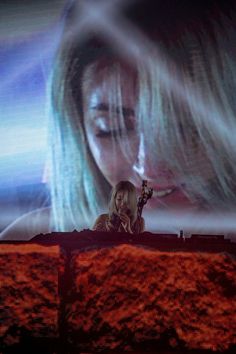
125 221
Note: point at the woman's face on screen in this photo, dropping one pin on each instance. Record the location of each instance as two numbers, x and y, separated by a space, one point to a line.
109 151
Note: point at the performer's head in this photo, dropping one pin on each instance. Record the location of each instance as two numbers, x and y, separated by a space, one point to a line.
124 199
154 99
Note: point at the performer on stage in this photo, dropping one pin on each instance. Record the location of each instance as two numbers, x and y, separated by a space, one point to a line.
122 216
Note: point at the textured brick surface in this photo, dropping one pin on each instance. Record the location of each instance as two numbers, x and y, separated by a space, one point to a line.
29 299
130 298
72 298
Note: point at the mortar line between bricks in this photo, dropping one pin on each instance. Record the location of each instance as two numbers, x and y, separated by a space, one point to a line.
64 286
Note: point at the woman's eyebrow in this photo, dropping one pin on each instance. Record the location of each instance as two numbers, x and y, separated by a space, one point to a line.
103 107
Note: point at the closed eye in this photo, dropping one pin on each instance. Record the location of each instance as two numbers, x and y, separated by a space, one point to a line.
103 128
103 107
100 133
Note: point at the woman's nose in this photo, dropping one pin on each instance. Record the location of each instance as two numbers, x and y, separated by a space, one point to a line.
149 165
121 203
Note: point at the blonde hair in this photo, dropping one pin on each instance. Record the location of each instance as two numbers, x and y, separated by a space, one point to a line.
200 122
129 188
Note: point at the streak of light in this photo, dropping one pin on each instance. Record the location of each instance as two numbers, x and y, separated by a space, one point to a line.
191 222
129 42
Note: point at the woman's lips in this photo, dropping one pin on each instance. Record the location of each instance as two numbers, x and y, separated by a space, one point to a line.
170 196
163 192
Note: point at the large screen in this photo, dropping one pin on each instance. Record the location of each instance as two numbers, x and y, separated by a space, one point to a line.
97 92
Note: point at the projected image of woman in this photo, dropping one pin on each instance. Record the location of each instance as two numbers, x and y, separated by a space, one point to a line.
145 91
168 117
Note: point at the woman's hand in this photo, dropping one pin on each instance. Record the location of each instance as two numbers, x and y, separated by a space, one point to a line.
125 221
